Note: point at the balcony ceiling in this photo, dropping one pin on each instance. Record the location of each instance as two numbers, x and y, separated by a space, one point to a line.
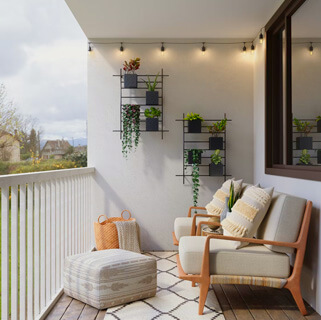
101 19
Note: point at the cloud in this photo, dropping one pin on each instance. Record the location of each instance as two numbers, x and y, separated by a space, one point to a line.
45 64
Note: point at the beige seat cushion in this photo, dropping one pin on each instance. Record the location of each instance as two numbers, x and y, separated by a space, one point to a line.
282 221
252 260
183 226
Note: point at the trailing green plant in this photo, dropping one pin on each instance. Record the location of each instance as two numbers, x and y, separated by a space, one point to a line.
151 86
305 157
131 132
132 65
152 112
195 172
234 196
304 127
318 118
216 157
217 127
193 116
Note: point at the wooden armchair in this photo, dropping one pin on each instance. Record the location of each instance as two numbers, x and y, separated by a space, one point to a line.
211 261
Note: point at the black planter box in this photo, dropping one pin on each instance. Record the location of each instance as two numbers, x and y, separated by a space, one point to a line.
319 126
151 98
130 80
216 169
319 156
190 158
195 126
304 143
151 124
216 143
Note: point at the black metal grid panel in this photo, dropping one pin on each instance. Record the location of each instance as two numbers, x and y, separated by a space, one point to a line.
159 87
314 150
186 142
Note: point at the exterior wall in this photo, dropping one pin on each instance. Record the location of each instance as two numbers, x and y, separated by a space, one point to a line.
303 188
221 81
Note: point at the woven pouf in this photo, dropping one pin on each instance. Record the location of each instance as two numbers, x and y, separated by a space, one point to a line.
108 278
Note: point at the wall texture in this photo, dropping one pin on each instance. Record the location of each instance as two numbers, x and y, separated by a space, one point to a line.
221 81
303 188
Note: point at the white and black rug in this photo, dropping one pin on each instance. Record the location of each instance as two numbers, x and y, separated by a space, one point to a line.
175 298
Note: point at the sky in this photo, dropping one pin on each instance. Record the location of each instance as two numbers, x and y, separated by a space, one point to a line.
43 54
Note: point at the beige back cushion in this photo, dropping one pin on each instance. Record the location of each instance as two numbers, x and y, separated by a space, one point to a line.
282 221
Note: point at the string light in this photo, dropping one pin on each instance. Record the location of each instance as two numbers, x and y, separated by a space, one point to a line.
252 48
244 48
162 48
311 48
261 37
121 48
203 49
89 47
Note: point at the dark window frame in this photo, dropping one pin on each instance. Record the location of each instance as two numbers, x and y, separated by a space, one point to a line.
275 164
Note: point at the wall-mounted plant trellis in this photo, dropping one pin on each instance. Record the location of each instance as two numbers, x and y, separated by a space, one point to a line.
137 96
189 142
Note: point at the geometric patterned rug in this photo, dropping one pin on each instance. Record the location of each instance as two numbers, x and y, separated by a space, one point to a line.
175 298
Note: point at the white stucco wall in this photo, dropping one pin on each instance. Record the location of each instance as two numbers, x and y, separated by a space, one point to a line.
308 189
221 81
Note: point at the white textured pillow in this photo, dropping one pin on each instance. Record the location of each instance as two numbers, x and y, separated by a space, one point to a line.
217 205
247 214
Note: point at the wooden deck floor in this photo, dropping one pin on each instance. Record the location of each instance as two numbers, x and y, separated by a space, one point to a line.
238 303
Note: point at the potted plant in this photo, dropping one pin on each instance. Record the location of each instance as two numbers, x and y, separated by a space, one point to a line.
216 142
304 127
216 166
130 77
194 122
152 116
305 158
319 156
195 161
151 94
131 132
318 120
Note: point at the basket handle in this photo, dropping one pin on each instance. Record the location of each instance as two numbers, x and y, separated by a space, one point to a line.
102 215
130 215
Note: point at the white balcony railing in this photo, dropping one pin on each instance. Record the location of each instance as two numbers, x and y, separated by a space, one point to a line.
45 217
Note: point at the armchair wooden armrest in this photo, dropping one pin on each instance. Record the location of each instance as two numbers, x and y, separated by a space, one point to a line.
194 208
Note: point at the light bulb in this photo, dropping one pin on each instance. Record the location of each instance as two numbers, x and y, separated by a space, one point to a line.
121 48
252 48
203 49
311 49
244 49
261 37
162 48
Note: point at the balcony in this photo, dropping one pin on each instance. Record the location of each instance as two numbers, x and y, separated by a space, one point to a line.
45 217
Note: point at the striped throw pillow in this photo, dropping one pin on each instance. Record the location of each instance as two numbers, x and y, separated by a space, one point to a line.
247 214
217 205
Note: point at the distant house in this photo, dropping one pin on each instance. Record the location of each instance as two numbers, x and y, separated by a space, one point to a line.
9 147
80 149
55 149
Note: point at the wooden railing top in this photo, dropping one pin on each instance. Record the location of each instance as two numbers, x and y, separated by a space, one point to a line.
15 179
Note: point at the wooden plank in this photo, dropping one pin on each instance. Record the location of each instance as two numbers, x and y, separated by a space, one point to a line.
58 239
53 237
270 305
48 244
287 306
101 315
43 290
89 313
30 252
235 300
60 308
5 253
226 307
253 303
22 251
74 310
62 229
37 253
14 252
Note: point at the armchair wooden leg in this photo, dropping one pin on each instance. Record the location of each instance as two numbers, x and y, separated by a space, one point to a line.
203 295
193 284
296 293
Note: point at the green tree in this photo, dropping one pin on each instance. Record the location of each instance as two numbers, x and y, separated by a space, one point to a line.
33 143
